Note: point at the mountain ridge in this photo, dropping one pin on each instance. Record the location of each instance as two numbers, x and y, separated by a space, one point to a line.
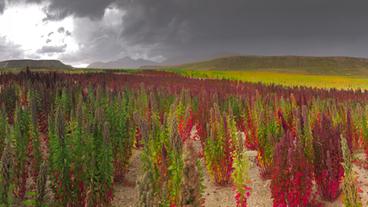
30 63
125 62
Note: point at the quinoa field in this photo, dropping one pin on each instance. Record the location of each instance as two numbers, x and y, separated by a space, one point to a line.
155 138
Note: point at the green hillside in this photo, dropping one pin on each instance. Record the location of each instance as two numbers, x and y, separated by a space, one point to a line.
34 64
295 64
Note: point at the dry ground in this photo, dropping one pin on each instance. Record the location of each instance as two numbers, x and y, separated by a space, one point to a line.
126 194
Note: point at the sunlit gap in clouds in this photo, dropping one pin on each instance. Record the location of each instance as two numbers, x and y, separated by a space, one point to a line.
24 25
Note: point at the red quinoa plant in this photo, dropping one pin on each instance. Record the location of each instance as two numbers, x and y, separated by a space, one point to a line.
327 157
364 126
250 130
186 124
292 173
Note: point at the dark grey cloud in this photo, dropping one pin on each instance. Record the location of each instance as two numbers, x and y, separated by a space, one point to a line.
48 41
147 21
2 6
52 49
50 33
197 29
59 9
61 30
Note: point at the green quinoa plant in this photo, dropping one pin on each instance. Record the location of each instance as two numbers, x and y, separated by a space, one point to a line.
351 197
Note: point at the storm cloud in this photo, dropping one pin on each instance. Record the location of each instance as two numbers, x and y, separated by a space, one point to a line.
192 30
52 49
199 29
2 6
179 31
61 30
93 9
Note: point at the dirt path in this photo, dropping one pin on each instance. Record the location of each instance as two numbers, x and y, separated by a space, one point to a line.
126 194
215 196
260 194
224 196
362 179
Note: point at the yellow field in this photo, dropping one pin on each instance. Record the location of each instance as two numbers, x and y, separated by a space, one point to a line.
286 79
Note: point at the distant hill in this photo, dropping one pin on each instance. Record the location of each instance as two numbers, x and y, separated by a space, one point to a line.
295 64
45 64
125 62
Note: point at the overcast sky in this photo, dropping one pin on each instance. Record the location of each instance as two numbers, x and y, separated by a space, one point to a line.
172 31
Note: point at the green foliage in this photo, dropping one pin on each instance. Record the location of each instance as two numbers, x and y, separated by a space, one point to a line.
6 176
305 134
240 177
10 101
60 159
3 129
351 198
34 136
118 116
81 153
219 147
268 133
41 185
165 181
149 184
20 138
